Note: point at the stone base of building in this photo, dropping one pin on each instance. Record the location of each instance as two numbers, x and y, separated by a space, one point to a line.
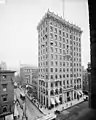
61 107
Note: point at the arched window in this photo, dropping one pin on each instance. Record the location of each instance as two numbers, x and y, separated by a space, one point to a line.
5 109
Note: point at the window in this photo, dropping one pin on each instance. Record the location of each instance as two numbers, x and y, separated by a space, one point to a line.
56 50
51 49
60 57
4 77
55 30
56 76
67 75
55 43
51 56
63 33
60 38
55 37
63 75
46 29
51 69
51 35
60 70
4 87
51 84
4 98
51 28
51 63
60 44
60 76
46 69
56 69
51 43
63 82
67 35
63 51
74 37
63 45
56 57
70 36
5 109
63 40
60 51
59 32
56 63
51 76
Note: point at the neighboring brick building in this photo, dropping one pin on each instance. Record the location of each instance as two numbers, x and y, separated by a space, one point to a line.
85 81
59 60
6 92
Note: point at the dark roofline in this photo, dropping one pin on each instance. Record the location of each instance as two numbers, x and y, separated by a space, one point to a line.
7 71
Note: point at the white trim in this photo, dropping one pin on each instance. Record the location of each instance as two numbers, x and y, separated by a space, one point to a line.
57 100
52 101
81 92
78 92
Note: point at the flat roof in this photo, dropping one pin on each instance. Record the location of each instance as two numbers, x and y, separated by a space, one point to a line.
7 71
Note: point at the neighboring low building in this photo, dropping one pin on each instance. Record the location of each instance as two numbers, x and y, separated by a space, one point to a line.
27 74
6 92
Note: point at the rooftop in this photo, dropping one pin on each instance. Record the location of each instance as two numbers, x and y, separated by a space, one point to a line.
63 21
7 71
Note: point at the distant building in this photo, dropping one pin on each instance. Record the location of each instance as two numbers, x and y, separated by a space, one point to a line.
3 66
28 74
35 79
6 92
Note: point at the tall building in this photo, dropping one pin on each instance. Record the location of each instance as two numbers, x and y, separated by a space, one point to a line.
6 92
59 60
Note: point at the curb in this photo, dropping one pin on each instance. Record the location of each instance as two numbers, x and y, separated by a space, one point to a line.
71 106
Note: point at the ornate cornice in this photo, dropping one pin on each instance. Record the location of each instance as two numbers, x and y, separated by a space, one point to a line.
60 19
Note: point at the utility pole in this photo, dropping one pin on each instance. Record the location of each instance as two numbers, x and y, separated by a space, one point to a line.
63 8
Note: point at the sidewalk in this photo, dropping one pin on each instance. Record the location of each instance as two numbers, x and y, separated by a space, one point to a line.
61 107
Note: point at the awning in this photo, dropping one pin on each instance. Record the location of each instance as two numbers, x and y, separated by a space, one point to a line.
78 93
57 100
52 101
81 92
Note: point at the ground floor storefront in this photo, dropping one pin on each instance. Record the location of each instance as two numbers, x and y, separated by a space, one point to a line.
67 97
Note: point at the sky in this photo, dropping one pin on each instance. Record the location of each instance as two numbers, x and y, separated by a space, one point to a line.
18 28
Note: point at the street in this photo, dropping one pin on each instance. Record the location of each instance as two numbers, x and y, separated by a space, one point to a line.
73 112
31 111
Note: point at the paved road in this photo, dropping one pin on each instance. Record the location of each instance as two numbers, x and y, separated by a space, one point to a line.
34 112
31 110
74 111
